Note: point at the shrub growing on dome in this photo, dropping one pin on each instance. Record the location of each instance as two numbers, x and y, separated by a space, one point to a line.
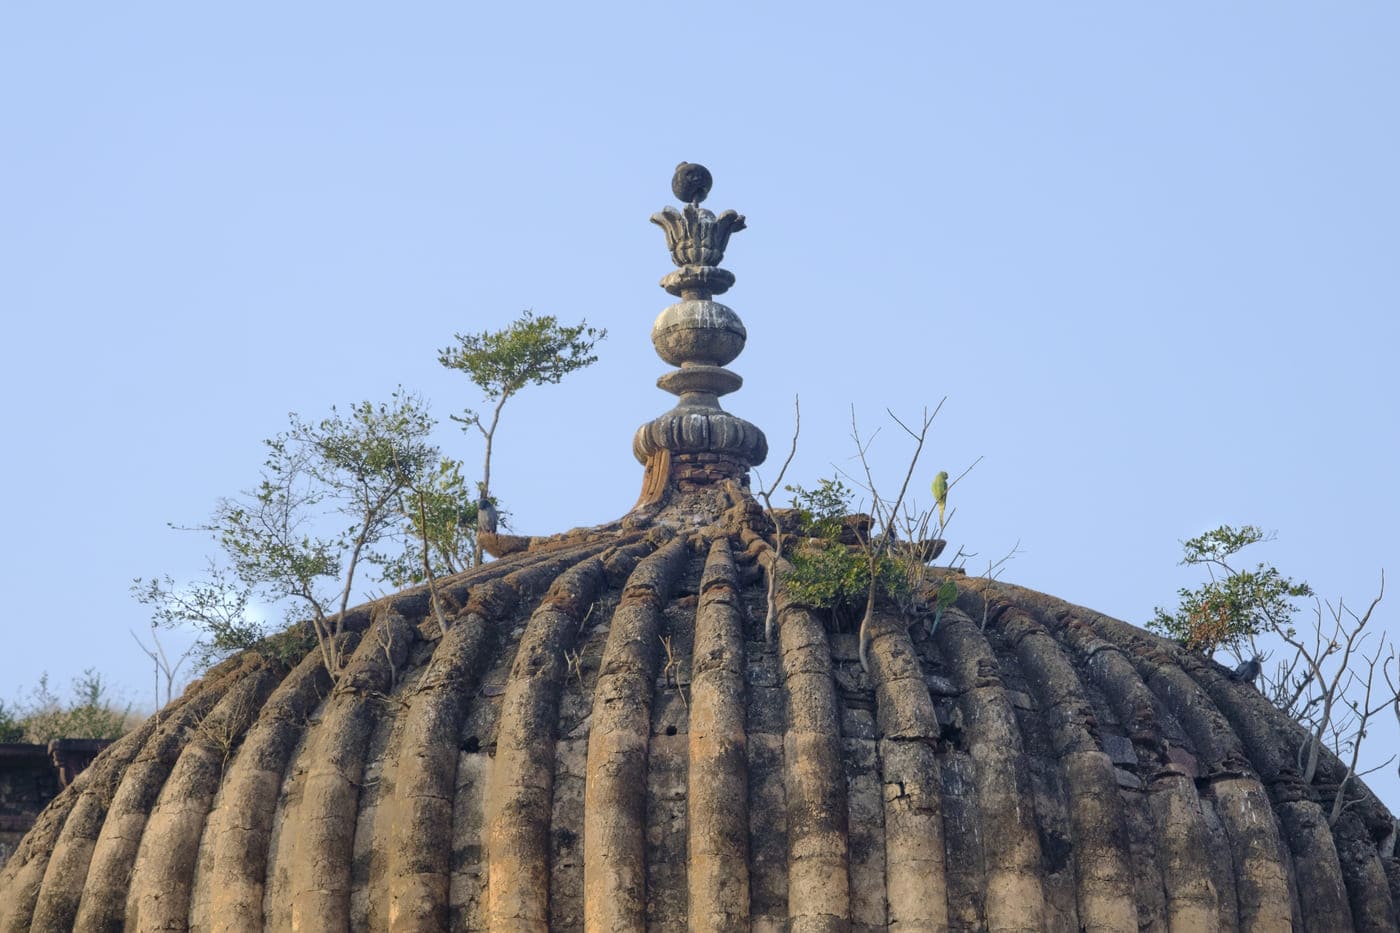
828 574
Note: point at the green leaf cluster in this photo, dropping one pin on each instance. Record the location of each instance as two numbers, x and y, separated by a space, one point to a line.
365 487
358 466
216 606
821 511
1232 605
533 350
826 574
439 527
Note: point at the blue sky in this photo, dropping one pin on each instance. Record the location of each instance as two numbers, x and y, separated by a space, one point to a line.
1146 252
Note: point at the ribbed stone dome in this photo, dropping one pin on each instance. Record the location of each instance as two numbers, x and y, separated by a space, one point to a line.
602 739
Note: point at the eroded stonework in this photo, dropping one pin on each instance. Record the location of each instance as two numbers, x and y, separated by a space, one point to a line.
602 736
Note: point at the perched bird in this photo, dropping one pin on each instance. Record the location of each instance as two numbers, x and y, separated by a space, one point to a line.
940 493
485 517
947 595
1248 670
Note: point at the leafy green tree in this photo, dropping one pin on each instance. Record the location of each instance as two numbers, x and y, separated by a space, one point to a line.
821 512
1233 605
530 351
1333 674
364 487
333 493
216 607
351 469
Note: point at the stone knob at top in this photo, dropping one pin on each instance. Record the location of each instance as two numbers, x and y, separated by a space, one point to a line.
691 183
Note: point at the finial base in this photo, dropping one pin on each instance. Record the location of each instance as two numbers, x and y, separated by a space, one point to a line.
687 430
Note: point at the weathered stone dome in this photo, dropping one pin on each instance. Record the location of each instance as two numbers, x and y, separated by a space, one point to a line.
603 738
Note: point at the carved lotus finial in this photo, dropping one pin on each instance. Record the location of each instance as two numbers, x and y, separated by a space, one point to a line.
695 236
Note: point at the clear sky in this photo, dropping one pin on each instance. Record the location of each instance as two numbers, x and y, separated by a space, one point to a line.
1146 251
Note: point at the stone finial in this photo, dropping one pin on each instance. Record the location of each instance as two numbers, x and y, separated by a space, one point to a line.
699 336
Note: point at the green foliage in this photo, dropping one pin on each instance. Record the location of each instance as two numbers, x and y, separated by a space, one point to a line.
827 574
354 466
1233 605
821 511
11 724
831 576
88 713
439 527
363 487
531 351
217 607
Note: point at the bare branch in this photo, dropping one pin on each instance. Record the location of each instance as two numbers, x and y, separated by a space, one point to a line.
878 545
770 620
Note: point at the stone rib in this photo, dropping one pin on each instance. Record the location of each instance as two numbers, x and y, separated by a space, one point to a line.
1363 823
1103 866
62 842
814 775
614 813
163 876
522 784
1014 898
1339 867
718 870
1302 820
1373 905
103 904
1179 837
321 829
420 836
916 883
1261 878
234 858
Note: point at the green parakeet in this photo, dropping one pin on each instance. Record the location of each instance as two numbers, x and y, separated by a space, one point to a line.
947 595
940 493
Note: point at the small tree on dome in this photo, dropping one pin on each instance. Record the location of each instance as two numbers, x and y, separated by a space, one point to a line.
530 351
1325 676
333 492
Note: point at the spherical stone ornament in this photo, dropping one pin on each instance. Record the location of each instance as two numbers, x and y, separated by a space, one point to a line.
692 182
698 331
